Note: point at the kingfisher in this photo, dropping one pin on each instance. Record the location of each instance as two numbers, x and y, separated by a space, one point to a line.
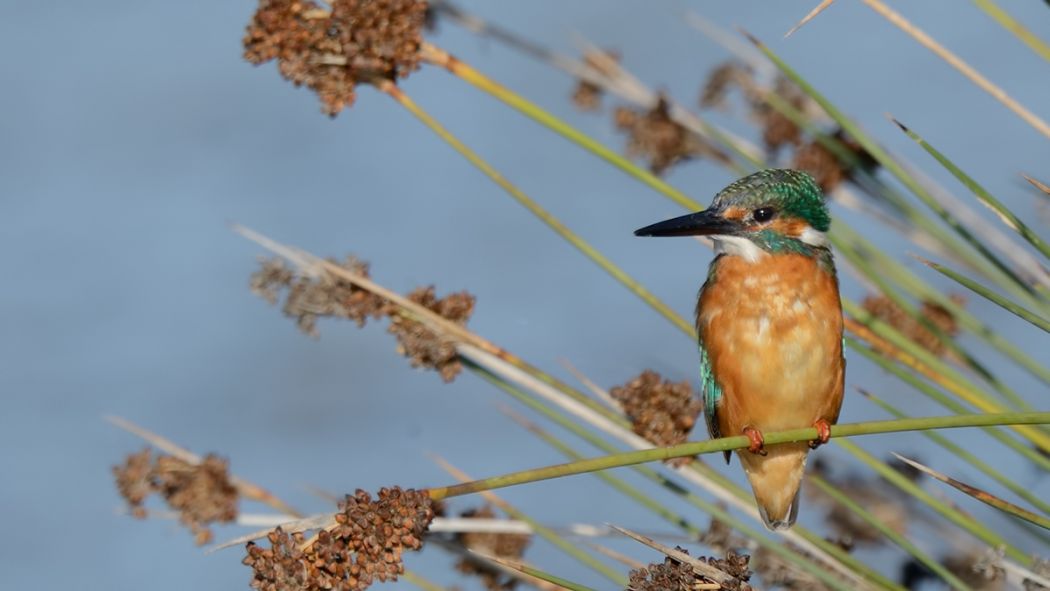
769 322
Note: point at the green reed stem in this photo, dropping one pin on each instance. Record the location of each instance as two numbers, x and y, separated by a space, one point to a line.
884 159
1005 215
534 208
558 541
802 562
732 443
965 522
1014 26
967 457
1004 303
901 541
944 400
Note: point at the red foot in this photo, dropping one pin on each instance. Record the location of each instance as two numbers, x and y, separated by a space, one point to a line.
823 434
757 441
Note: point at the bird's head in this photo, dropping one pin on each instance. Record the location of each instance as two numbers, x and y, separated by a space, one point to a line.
769 212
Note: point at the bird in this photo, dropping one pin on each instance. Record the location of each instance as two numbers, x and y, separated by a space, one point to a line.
769 324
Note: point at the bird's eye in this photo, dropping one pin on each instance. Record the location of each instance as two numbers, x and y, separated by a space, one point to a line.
763 214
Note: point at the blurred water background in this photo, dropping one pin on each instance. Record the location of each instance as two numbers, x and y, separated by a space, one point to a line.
133 132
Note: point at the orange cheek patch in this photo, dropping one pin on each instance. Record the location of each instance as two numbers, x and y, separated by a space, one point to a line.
735 213
789 227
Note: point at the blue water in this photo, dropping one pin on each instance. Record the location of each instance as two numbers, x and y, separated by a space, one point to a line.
132 133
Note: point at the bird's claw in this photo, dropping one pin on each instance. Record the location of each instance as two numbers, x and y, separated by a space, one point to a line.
823 434
757 445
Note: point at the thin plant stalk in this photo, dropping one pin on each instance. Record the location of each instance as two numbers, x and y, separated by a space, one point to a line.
541 530
956 62
892 535
715 510
965 522
1004 303
1008 217
982 496
968 457
733 443
1011 24
597 257
1039 460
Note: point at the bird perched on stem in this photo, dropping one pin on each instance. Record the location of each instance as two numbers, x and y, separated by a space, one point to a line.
769 321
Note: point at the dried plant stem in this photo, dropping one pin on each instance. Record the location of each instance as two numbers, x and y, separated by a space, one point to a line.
980 495
582 245
824 4
960 65
732 443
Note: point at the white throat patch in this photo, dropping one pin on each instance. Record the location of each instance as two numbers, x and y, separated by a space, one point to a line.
737 246
813 237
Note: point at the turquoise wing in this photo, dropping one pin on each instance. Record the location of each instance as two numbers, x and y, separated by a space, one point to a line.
711 394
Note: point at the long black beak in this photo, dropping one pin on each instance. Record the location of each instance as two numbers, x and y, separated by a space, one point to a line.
701 223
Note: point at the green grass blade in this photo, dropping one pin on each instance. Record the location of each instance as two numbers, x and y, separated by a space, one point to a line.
987 199
1014 26
981 495
1040 460
882 156
1008 305
964 522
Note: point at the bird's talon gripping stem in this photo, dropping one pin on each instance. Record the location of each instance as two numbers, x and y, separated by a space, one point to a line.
758 442
823 434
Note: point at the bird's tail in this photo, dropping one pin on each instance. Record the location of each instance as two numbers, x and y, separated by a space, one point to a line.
775 479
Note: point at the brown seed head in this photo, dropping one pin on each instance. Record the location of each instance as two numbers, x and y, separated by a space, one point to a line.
671 575
659 138
365 546
332 51
588 96
201 493
884 309
661 411
423 346
510 546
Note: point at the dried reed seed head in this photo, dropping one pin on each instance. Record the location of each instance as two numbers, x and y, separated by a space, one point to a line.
656 136
588 96
201 493
365 546
510 546
939 316
672 575
133 481
724 78
330 52
814 158
661 411
977 571
423 346
309 298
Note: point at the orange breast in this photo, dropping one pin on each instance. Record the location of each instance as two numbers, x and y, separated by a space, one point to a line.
773 332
